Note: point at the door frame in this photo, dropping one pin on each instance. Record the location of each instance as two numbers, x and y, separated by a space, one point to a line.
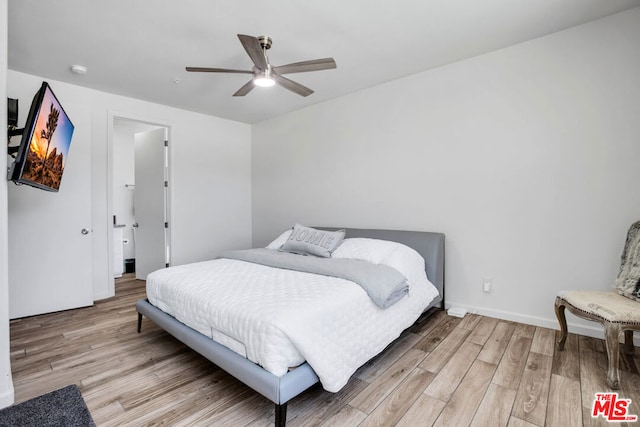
112 117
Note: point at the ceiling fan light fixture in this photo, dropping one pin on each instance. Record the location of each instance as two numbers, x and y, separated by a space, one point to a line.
264 80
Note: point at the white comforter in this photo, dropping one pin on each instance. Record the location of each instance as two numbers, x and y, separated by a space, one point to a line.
280 318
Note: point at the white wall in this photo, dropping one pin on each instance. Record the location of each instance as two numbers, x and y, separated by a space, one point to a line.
6 383
210 181
527 158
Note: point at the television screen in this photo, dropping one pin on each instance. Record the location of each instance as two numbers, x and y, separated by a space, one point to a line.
43 150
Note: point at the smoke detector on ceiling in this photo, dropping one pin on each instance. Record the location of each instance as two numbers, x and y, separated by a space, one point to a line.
79 69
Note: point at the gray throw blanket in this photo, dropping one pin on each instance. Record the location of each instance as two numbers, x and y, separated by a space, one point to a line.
384 285
628 281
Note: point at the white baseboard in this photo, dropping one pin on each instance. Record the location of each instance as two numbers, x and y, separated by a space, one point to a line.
7 398
594 330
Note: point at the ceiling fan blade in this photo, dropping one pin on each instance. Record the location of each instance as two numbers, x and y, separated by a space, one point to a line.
304 66
248 87
254 50
292 86
216 70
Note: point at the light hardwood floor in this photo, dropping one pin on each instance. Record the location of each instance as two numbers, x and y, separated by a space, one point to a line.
476 371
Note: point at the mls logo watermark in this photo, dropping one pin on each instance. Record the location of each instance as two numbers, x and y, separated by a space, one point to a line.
611 408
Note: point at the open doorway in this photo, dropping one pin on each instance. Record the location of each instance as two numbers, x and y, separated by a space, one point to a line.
139 208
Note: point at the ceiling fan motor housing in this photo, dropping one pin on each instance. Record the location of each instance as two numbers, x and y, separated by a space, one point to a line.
265 42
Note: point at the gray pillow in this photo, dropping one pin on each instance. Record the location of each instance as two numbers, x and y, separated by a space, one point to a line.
309 241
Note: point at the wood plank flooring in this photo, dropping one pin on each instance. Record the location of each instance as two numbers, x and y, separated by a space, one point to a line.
475 371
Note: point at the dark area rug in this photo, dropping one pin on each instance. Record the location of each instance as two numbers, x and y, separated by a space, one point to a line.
60 408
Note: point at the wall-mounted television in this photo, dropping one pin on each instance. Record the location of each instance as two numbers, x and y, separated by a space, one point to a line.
42 154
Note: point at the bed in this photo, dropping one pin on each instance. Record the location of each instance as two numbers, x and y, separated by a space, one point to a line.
282 387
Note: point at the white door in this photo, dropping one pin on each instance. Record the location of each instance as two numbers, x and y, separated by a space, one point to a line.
50 251
149 202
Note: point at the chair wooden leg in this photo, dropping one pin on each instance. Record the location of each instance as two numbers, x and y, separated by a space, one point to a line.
562 320
612 337
628 343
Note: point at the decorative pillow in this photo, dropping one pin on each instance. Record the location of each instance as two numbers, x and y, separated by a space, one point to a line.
309 241
628 281
279 241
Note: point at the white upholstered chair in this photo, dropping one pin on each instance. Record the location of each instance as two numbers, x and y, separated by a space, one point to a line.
617 310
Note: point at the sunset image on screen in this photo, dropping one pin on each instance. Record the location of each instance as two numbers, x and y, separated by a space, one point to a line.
49 144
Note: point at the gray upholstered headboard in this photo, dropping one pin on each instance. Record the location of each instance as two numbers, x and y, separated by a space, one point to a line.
428 244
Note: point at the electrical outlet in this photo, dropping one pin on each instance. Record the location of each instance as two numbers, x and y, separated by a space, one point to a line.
487 284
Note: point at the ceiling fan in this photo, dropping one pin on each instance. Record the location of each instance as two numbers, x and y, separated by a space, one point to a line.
264 74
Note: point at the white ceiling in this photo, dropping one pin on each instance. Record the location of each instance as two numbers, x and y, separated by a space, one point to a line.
137 48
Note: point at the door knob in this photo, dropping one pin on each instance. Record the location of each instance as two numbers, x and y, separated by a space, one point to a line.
84 231
134 225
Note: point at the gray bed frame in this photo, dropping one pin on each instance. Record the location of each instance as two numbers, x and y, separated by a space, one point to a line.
282 389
